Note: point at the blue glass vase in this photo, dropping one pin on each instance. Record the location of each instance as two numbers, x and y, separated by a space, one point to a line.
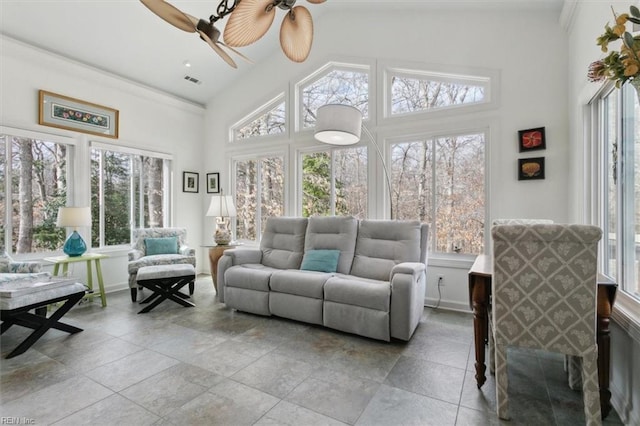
74 246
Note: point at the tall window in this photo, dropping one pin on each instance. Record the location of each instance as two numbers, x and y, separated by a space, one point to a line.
33 184
259 194
129 189
334 182
441 181
620 186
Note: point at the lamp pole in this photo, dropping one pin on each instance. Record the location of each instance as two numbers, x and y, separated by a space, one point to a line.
384 167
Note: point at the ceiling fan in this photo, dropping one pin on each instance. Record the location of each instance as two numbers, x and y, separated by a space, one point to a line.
249 20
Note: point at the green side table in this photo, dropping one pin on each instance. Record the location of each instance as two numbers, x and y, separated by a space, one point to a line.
87 257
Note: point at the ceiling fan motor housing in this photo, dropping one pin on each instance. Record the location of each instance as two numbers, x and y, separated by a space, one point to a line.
285 4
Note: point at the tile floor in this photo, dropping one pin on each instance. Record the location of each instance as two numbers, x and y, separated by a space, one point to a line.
212 365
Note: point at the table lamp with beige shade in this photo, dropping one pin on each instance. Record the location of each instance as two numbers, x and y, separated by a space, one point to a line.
74 217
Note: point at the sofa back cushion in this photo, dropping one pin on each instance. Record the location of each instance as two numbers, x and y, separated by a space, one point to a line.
333 233
282 242
382 244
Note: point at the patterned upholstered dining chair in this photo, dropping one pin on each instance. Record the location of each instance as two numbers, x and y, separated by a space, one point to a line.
158 246
544 297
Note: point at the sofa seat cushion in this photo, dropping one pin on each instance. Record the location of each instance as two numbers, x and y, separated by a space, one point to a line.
300 283
367 293
160 259
249 276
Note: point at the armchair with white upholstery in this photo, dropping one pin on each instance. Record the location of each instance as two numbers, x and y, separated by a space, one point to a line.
544 297
158 246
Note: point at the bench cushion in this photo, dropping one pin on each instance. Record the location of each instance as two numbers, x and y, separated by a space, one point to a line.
10 303
165 271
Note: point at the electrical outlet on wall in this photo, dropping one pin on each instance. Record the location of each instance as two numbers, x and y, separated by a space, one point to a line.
440 280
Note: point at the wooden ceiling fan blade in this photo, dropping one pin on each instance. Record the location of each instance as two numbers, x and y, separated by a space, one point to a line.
296 34
316 1
236 52
249 22
224 55
171 14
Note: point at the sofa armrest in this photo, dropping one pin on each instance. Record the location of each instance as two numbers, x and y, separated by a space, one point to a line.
134 255
187 251
231 258
412 268
408 285
244 255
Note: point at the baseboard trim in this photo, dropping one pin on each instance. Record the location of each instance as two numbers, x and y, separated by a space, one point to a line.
446 304
622 404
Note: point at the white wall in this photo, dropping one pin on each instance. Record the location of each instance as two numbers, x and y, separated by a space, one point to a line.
586 23
148 120
530 60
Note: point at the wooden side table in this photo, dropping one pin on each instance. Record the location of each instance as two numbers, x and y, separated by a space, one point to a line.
87 257
215 253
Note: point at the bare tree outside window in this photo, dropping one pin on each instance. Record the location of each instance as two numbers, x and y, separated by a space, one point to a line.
454 202
412 94
271 122
259 194
36 188
126 190
336 87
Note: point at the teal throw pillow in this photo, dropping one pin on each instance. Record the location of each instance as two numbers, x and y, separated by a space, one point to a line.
320 260
166 245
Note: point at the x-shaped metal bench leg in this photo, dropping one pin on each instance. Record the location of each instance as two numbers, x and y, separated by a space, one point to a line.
38 322
166 288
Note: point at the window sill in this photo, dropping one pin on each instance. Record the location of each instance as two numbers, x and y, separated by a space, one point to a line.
448 260
626 313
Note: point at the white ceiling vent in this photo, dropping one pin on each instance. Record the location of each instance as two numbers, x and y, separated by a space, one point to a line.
192 79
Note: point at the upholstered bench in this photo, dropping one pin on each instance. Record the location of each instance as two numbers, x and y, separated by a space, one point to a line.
165 281
16 303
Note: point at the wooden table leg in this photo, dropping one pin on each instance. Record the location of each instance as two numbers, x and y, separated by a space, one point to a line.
103 296
605 304
479 302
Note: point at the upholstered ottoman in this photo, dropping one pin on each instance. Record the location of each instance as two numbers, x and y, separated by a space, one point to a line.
165 281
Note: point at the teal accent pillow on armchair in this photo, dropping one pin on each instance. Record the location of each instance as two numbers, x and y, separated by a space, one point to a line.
166 245
320 260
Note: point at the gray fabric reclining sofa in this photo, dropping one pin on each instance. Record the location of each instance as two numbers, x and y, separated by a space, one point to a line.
377 289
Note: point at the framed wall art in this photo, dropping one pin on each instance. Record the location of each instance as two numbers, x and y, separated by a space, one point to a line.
531 139
213 183
531 168
68 113
190 182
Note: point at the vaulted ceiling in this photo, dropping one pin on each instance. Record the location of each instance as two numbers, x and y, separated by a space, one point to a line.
126 39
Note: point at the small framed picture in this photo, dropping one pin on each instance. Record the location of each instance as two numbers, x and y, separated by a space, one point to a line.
531 168
531 139
190 182
213 183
